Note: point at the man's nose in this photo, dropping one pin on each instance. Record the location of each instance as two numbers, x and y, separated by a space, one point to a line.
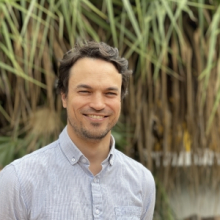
97 101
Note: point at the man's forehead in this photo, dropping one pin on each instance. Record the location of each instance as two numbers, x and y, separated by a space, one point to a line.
94 67
85 60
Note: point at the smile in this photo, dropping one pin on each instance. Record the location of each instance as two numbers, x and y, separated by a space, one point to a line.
96 116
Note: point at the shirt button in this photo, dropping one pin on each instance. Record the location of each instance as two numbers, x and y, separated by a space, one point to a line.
96 180
84 160
97 211
73 159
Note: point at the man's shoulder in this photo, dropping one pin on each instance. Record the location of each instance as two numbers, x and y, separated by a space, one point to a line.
133 166
36 158
123 158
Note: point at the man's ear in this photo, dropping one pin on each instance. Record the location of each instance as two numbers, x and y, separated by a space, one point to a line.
63 98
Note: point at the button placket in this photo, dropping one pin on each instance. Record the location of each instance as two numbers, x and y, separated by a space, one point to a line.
97 198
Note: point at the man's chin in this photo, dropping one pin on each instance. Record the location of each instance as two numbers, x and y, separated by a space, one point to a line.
94 135
96 124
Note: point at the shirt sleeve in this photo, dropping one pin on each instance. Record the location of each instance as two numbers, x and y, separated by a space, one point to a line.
150 198
12 206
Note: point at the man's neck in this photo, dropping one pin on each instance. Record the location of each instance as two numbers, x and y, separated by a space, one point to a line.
96 151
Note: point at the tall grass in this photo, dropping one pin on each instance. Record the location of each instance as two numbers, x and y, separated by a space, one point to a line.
172 47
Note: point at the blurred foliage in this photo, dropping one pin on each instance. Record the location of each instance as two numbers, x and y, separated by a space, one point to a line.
163 209
172 47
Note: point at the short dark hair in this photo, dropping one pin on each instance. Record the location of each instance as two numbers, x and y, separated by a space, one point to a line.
92 49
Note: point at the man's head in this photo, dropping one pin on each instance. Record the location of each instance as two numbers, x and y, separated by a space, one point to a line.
93 78
93 50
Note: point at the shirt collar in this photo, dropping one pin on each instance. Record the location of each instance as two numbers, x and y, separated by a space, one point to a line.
69 149
73 154
110 157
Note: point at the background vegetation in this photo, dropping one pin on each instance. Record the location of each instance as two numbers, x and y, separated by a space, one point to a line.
173 102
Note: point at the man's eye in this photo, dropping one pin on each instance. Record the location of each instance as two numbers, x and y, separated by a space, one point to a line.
111 93
84 92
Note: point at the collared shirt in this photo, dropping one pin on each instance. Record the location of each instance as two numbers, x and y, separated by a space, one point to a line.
55 183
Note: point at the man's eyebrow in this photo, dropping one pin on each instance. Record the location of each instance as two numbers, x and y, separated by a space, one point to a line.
112 89
80 86
84 86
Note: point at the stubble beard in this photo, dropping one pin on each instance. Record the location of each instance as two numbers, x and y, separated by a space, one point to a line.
84 133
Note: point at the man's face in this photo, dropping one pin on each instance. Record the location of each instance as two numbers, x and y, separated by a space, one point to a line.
93 101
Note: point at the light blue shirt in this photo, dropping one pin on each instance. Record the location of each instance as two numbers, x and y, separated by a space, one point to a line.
55 183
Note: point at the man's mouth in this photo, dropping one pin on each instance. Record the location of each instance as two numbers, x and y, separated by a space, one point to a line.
96 116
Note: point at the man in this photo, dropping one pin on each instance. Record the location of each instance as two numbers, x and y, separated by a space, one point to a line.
81 176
